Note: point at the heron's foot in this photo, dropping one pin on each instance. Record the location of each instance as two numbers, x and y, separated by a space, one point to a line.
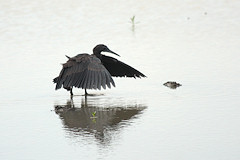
92 95
87 94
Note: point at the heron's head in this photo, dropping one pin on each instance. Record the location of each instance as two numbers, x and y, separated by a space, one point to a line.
102 48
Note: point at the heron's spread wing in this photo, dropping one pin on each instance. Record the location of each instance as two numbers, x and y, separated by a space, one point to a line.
84 71
120 69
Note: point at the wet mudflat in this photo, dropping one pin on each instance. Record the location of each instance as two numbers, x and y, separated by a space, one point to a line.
194 44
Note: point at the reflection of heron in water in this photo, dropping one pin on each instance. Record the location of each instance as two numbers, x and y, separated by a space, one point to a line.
80 119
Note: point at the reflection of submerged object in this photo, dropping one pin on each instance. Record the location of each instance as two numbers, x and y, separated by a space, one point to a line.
93 71
100 121
172 85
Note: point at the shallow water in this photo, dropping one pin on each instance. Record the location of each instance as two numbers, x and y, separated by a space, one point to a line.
193 43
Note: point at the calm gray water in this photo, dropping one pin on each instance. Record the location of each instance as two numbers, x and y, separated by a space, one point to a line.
195 43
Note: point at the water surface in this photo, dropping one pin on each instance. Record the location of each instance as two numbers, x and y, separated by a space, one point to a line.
193 43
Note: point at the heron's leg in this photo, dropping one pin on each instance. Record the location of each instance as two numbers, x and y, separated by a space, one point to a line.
71 92
86 92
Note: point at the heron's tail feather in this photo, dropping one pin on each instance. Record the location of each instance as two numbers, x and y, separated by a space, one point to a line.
55 80
58 83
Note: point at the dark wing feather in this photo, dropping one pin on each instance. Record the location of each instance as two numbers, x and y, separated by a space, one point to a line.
119 69
84 71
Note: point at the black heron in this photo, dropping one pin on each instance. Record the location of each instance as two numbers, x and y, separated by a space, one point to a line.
93 71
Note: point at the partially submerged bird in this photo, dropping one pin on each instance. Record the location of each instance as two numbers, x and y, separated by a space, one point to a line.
172 84
93 71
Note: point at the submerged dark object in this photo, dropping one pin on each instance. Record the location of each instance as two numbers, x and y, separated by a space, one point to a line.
172 85
93 71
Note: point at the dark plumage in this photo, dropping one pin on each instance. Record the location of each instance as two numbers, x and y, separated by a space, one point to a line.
93 71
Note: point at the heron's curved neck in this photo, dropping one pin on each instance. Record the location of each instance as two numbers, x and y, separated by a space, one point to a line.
98 55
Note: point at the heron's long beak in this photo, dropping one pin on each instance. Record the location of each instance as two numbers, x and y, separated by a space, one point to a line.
112 52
